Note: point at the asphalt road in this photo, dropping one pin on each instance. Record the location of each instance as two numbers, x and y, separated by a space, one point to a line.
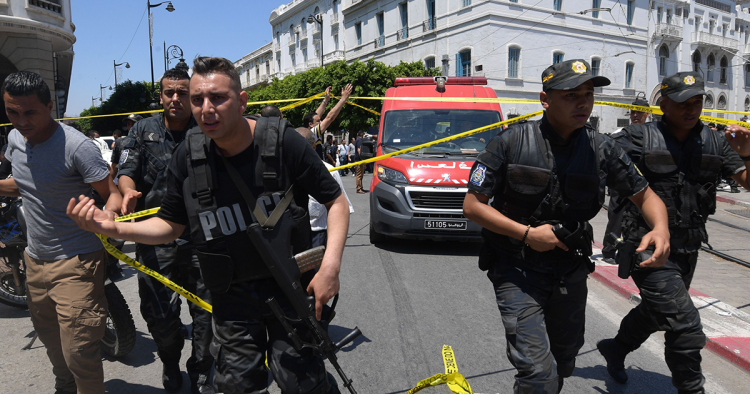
409 298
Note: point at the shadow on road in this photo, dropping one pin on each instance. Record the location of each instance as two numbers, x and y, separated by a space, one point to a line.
142 354
9 312
656 382
115 386
337 333
410 246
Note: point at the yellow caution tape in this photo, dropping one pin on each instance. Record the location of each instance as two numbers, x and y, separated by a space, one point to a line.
301 102
136 215
148 271
456 382
440 141
725 121
357 105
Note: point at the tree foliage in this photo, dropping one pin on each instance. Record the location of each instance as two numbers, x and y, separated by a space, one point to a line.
127 97
370 79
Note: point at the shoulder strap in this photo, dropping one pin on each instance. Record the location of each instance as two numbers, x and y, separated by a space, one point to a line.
269 136
198 146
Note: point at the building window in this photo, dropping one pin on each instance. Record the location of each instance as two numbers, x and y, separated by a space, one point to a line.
658 14
724 29
709 102
697 23
303 24
336 41
381 29
596 4
722 103
711 64
558 57
595 66
747 75
463 64
358 30
747 103
294 60
514 62
304 54
268 67
629 75
669 16
723 63
663 58
429 63
404 20
631 11
278 38
557 5
466 3
696 61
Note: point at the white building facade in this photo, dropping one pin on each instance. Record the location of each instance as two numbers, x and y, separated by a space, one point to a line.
510 42
37 35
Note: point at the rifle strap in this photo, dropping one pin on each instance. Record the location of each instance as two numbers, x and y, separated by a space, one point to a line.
252 202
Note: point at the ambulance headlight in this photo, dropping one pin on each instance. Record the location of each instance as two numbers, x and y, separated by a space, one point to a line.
389 175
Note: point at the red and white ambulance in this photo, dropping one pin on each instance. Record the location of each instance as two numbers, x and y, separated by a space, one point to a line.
420 194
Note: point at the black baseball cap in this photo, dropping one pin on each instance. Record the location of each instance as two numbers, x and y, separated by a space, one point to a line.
682 86
570 74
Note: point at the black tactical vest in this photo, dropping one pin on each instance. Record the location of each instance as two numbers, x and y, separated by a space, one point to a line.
222 245
535 191
684 175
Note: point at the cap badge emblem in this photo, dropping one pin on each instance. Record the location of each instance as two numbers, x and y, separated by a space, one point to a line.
664 86
689 80
547 78
579 67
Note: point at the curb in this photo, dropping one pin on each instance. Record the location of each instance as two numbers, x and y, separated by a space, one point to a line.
727 329
733 201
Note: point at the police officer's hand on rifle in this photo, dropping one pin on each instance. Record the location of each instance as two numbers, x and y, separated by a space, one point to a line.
542 239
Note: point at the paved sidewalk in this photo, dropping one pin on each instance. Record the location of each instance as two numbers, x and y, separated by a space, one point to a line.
742 198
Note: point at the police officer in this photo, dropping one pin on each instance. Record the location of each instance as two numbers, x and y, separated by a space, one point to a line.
548 179
117 145
614 212
202 194
682 159
147 151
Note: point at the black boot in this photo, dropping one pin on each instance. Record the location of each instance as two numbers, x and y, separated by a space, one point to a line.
615 354
200 384
171 377
560 382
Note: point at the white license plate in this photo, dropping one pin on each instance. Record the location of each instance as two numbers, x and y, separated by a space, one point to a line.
445 224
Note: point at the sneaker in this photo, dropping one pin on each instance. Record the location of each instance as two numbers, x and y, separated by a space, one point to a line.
614 354
735 190
171 377
724 188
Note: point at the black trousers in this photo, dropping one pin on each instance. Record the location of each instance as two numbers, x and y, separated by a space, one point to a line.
246 331
666 306
543 326
160 306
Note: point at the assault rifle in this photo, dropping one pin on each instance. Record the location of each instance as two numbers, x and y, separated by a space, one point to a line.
273 246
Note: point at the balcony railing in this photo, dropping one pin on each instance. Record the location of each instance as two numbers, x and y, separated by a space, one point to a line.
292 44
303 42
666 30
334 56
429 24
49 5
334 19
316 28
380 41
715 4
402 33
300 68
708 39
745 49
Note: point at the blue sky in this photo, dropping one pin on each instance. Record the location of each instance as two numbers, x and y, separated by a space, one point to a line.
227 28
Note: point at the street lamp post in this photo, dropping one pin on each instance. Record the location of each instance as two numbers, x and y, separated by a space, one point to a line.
93 101
101 93
319 20
174 52
170 8
127 65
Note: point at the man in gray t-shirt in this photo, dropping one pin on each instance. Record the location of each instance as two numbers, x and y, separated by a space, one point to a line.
64 264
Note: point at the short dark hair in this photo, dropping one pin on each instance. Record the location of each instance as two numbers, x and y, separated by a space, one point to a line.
91 133
270 111
174 75
117 133
26 83
309 118
204 65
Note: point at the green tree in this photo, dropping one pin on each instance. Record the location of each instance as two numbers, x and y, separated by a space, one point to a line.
370 79
127 97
